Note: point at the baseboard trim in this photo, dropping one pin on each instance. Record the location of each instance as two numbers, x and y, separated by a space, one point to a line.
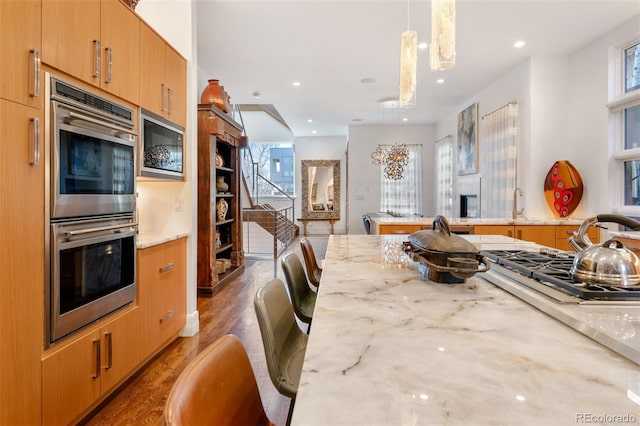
192 325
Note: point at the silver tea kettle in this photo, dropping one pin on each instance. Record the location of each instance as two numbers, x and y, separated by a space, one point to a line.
609 263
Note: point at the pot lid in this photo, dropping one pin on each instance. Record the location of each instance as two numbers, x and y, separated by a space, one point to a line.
439 238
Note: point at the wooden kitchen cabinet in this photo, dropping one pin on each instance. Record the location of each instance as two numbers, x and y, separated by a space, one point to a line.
162 293
163 77
563 232
96 41
21 262
76 376
20 38
398 229
506 230
540 234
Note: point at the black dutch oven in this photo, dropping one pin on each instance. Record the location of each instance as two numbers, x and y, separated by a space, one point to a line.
444 257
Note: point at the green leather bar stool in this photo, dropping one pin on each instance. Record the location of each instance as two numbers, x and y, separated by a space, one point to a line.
284 342
303 298
314 272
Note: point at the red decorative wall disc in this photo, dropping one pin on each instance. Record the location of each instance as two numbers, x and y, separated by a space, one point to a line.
563 188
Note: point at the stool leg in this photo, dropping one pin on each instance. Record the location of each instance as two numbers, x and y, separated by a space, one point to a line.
290 413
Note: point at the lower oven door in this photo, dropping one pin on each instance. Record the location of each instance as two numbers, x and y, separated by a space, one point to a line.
93 270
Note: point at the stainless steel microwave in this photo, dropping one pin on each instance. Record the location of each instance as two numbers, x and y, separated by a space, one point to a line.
161 147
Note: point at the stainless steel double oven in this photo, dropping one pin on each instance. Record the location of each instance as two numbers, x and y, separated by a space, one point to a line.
91 245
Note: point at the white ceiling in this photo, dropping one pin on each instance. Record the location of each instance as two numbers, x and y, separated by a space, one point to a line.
330 46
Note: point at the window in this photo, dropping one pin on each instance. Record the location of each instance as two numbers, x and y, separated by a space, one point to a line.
404 196
273 162
624 119
444 176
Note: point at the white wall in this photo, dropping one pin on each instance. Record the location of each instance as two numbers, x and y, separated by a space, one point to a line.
170 207
587 117
364 178
322 148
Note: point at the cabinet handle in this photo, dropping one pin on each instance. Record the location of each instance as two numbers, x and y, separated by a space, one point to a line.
109 341
571 232
167 317
96 348
167 267
164 98
34 144
109 78
170 91
35 69
97 52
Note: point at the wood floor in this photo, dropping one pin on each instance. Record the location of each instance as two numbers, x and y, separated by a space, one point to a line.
141 400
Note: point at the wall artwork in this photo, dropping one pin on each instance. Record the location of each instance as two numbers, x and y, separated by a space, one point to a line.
468 140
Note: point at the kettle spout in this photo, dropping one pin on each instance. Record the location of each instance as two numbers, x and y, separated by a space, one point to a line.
580 240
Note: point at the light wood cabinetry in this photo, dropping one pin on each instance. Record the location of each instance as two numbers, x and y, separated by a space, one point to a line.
20 38
398 229
96 41
218 134
163 74
162 293
547 235
21 263
78 374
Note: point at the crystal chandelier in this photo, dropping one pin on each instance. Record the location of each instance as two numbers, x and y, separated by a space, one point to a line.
443 34
394 158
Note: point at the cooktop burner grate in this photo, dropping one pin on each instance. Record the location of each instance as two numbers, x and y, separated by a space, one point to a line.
552 268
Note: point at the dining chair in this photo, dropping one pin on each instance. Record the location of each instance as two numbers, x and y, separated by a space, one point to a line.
284 343
314 272
303 298
367 223
217 387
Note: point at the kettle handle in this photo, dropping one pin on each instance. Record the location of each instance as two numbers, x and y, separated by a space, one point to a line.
622 220
442 224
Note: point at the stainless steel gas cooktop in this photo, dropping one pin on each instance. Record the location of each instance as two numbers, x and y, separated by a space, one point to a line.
547 272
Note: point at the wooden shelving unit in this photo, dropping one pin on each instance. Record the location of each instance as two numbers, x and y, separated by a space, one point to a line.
218 134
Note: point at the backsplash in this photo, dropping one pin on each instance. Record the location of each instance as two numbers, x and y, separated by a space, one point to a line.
165 208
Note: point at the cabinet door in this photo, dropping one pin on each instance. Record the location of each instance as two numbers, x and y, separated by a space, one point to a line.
506 230
21 263
120 31
152 70
540 234
398 229
162 292
71 37
176 80
563 232
71 380
20 34
121 350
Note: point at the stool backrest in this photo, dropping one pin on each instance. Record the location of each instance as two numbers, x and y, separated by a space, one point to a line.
314 272
217 387
298 285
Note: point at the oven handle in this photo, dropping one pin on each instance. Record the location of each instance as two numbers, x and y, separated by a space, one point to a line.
101 228
71 116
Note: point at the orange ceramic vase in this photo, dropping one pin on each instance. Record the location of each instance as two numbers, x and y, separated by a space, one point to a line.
213 94
563 189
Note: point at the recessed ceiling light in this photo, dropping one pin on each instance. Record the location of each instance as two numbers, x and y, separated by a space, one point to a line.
440 80
357 120
423 45
518 44
309 121
368 80
296 83
256 94
405 119
313 132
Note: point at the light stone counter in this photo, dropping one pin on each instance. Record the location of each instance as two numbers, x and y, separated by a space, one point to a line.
144 240
427 221
388 347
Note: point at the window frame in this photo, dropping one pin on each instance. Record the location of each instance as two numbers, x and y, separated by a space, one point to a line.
618 102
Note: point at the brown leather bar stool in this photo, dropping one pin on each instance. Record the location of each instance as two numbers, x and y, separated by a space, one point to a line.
218 387
303 298
314 272
284 342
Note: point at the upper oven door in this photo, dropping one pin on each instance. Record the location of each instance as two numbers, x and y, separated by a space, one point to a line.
92 164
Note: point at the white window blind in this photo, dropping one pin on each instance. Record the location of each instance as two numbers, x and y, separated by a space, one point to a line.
444 176
404 196
498 161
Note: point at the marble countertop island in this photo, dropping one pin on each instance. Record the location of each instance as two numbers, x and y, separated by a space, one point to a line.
388 347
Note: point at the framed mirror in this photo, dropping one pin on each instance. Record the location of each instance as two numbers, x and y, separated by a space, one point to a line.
321 189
